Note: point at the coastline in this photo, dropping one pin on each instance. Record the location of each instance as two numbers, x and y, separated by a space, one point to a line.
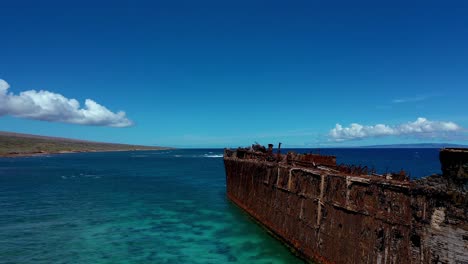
43 153
15 145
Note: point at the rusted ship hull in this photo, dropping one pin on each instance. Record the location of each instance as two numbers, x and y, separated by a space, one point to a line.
330 216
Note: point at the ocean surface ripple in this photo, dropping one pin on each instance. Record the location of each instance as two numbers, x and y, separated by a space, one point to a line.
144 207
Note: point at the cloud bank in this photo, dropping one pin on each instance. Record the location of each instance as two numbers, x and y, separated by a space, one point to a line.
53 107
421 127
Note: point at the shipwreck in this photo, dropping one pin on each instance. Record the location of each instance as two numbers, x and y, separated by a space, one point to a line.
328 213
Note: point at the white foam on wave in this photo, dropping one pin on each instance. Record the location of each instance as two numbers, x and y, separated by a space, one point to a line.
200 156
213 155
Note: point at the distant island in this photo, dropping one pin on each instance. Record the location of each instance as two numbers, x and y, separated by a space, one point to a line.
419 145
18 145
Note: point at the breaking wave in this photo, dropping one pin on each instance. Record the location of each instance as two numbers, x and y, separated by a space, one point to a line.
213 155
200 156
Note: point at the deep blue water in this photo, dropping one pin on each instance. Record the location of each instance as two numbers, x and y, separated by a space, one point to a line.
145 207
417 162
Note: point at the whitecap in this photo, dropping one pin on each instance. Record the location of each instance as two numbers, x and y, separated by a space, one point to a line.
213 156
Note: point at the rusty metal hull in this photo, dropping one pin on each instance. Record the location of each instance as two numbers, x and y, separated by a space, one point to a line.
333 217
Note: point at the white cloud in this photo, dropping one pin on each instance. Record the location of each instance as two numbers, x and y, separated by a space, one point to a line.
48 106
414 99
420 127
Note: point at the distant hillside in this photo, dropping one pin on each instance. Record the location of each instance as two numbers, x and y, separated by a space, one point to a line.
16 144
420 145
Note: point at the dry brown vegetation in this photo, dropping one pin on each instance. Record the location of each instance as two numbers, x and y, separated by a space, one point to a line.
15 144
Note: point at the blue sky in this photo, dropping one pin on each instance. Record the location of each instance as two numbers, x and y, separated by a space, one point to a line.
228 73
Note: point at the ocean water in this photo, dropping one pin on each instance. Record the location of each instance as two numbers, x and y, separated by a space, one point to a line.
416 162
145 207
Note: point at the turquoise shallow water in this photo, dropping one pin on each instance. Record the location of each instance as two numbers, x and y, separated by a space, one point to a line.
146 207
126 207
